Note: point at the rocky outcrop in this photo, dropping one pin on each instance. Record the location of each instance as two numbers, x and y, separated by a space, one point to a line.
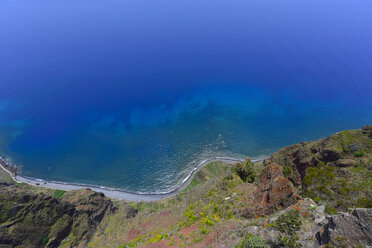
342 149
274 191
131 212
29 219
348 230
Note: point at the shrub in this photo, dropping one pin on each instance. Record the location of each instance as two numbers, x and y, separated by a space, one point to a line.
207 221
245 170
203 229
359 154
287 171
289 222
364 203
159 237
252 241
318 182
288 241
190 216
329 210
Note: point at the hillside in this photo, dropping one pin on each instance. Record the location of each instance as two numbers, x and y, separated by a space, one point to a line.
33 218
312 194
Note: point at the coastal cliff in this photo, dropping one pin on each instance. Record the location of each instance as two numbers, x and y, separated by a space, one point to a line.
335 171
312 194
30 219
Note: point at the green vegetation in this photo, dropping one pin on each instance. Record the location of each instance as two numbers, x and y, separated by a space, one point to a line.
287 171
214 199
329 210
346 139
364 202
359 154
190 215
288 223
59 193
245 170
252 241
45 240
288 241
339 188
318 181
220 204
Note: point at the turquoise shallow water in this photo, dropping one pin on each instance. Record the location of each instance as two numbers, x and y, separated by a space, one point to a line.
135 94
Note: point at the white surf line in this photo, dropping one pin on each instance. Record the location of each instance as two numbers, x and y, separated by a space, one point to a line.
121 194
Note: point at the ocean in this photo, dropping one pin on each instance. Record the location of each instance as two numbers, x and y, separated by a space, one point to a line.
135 94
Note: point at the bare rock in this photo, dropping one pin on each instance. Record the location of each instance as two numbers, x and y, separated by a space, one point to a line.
348 230
319 215
364 216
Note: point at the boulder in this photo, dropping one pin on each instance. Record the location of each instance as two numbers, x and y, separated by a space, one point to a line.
347 230
364 215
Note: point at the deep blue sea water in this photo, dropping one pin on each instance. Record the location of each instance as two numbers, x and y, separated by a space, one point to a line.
134 93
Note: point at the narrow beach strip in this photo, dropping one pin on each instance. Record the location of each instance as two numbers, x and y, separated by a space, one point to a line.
120 194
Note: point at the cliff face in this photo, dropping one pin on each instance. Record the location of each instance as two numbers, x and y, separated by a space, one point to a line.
28 219
336 170
299 197
343 149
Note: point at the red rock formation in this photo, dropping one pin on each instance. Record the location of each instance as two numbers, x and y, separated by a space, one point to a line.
274 191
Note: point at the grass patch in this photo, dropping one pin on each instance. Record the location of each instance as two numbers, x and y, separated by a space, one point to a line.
318 182
59 193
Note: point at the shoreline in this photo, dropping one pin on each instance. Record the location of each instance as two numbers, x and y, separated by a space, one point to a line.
120 194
